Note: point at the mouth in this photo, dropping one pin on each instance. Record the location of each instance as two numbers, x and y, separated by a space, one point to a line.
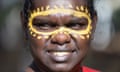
61 55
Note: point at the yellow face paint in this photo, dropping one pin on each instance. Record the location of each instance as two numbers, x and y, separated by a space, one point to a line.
76 13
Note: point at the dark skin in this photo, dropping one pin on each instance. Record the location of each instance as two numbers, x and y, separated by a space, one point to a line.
77 47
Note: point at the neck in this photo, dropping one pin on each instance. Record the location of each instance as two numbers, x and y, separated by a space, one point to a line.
35 68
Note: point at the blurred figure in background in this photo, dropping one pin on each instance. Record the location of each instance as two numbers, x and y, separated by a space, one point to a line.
103 33
11 47
106 44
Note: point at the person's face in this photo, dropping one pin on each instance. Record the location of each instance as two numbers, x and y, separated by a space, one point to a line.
59 33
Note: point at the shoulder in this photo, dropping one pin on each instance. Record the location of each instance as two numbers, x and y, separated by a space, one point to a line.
87 69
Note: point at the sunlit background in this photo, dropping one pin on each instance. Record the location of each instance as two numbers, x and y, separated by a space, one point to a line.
105 52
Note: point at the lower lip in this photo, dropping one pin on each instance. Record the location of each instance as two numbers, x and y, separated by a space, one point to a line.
60 58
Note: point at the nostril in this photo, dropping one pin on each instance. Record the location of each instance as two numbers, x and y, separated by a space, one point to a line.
61 38
68 39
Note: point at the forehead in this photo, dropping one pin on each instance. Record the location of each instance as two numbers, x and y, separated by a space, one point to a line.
51 3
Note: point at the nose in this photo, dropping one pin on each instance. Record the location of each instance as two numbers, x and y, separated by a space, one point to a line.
61 38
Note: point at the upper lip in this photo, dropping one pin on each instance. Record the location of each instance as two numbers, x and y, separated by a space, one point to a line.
61 49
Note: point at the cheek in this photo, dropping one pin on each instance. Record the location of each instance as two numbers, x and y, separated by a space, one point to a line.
37 48
83 46
81 43
36 44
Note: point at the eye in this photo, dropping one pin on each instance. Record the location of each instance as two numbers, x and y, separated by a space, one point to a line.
44 26
77 26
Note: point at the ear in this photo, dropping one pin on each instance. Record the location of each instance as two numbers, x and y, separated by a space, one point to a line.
22 18
24 26
94 22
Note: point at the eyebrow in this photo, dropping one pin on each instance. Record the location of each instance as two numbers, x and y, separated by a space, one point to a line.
73 19
41 19
78 20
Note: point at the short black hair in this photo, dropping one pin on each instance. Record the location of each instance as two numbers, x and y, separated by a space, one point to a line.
28 7
90 5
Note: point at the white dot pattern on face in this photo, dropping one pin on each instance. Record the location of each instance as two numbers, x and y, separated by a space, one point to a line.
44 11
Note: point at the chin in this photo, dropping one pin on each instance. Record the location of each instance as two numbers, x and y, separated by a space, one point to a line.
61 68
